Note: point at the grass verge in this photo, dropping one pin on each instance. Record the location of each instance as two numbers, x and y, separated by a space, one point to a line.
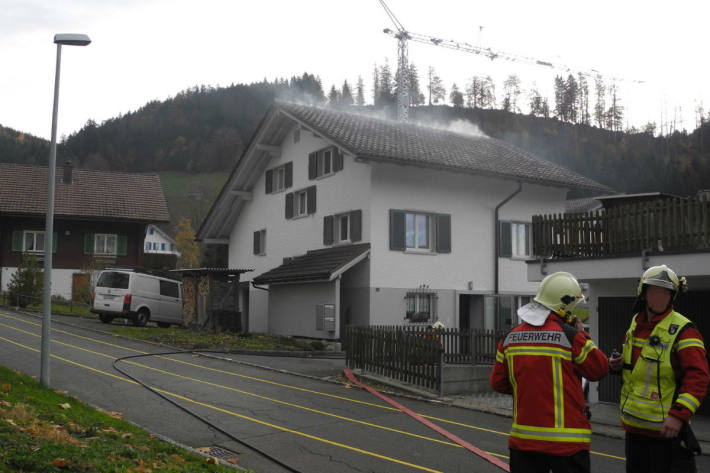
42 430
193 339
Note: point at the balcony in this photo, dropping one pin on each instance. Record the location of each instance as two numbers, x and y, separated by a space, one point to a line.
662 226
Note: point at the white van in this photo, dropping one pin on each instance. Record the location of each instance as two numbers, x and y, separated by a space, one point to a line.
137 297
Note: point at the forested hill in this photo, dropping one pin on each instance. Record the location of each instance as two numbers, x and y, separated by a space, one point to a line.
205 129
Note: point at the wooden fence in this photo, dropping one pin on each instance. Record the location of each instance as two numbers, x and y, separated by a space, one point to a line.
662 225
416 354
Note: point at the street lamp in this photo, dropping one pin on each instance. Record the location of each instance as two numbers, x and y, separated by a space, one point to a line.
59 40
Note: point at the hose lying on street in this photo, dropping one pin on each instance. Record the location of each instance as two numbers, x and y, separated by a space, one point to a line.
188 411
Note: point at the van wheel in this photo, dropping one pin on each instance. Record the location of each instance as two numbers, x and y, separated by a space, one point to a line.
163 324
141 318
105 319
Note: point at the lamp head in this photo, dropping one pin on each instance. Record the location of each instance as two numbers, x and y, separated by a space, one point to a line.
72 39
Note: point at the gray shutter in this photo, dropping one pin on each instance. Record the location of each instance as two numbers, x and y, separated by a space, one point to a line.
256 243
89 244
55 240
397 236
443 233
312 170
328 230
311 200
288 178
505 250
337 160
320 315
356 225
528 231
121 245
289 205
269 181
17 237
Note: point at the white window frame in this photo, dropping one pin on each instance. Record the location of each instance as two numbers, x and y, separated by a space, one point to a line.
415 303
323 157
34 247
279 179
262 242
104 239
416 244
518 248
337 222
300 203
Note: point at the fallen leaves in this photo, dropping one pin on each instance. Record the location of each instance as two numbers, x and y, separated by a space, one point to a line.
203 449
65 405
115 415
212 460
60 462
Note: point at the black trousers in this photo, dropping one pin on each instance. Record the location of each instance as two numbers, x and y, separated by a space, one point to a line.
522 461
657 455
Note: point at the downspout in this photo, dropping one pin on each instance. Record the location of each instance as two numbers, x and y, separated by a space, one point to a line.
496 226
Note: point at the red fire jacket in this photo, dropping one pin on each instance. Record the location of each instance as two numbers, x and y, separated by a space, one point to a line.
542 368
689 363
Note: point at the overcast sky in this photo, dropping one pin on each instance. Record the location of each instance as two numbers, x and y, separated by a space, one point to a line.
145 50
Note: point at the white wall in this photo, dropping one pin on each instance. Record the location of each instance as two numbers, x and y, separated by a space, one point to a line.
292 309
343 191
159 238
61 280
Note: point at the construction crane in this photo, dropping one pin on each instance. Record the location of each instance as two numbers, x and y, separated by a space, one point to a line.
402 36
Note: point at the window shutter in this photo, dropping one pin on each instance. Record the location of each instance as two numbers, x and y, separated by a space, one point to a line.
288 178
17 237
505 250
89 244
289 205
443 233
356 225
269 181
397 236
337 160
528 243
312 170
328 230
256 243
121 245
320 316
55 240
311 200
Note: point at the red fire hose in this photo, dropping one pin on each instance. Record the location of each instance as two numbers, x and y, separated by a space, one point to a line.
490 458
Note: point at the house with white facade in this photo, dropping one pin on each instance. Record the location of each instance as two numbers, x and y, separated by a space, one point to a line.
159 242
351 219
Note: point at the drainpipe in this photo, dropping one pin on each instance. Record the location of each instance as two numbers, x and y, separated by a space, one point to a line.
496 226
258 287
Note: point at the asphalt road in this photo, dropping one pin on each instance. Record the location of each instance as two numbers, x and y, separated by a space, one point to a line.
308 424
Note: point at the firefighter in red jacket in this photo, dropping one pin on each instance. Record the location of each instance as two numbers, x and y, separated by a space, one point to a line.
665 373
541 362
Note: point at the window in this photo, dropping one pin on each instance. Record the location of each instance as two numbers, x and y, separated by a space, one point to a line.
418 231
342 228
172 246
515 240
169 289
301 203
301 207
162 247
33 241
113 280
147 245
508 310
150 231
324 162
419 305
279 178
105 244
260 242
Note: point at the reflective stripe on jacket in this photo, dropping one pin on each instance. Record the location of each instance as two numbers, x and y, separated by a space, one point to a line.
649 384
542 368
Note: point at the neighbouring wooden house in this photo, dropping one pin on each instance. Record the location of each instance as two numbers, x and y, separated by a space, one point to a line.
351 219
100 220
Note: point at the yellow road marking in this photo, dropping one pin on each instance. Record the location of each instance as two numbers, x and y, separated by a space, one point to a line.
344 398
241 416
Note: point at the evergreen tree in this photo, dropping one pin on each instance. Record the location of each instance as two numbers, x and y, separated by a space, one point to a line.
333 97
435 87
346 96
571 95
559 88
535 101
26 283
456 97
415 94
386 87
487 93
360 94
511 92
185 244
615 113
376 85
583 115
600 105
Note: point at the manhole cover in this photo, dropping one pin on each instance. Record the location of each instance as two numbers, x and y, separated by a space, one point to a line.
220 452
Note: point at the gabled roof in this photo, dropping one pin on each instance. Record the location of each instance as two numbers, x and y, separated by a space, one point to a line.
161 231
92 194
369 138
316 265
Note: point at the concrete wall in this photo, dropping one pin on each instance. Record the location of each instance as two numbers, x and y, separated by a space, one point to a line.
292 309
61 280
387 306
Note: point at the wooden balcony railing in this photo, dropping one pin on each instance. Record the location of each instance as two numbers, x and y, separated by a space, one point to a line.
663 225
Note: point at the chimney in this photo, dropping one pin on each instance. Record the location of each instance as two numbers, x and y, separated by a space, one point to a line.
67 172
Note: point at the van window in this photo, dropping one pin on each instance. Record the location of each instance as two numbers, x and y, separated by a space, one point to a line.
113 280
168 288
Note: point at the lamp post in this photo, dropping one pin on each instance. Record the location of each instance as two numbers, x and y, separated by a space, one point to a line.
59 40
